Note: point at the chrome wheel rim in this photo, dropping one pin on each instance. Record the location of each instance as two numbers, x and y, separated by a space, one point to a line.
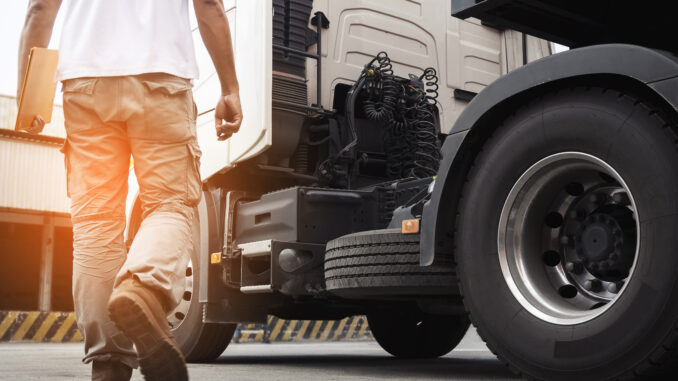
568 238
178 315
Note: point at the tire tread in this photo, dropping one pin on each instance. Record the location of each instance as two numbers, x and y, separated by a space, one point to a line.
379 259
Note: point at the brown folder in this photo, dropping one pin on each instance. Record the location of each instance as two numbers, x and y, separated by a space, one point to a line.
37 94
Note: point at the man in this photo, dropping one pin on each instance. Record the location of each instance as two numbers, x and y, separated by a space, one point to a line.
127 68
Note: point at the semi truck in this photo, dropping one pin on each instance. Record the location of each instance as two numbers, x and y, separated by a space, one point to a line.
429 171
346 105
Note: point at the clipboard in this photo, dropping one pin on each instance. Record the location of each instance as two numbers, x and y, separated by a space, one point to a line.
37 94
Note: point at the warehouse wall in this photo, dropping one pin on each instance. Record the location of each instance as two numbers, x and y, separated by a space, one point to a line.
35 231
32 175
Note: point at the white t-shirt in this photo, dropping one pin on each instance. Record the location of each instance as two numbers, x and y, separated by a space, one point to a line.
103 38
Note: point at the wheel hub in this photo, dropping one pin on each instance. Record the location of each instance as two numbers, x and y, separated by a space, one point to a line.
597 239
605 242
568 237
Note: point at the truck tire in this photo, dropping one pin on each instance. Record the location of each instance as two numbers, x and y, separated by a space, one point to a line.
198 341
566 238
410 333
381 262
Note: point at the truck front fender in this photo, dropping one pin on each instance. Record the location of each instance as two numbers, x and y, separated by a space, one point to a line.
655 70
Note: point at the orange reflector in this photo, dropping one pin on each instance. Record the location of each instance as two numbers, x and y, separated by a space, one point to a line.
410 227
215 258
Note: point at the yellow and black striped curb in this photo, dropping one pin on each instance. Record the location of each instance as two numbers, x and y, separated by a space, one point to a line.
56 327
59 327
275 329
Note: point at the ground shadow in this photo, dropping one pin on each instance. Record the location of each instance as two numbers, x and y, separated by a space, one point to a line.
465 365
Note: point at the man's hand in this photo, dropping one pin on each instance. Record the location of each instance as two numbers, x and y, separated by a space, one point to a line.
216 35
37 126
227 116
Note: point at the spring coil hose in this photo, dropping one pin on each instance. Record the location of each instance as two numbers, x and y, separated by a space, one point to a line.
425 158
430 76
408 112
426 151
382 88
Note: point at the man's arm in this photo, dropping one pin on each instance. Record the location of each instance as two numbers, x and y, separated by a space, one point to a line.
216 35
36 33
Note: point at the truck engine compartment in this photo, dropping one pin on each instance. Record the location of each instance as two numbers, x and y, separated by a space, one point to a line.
349 173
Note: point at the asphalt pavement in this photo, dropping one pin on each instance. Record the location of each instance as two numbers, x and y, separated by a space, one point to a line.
279 361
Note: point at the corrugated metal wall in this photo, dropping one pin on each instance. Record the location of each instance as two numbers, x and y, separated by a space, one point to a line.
32 173
32 176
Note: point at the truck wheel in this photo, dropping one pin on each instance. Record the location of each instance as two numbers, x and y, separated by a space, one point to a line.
199 342
411 333
566 238
381 262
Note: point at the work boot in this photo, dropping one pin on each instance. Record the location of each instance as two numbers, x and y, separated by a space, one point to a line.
138 312
110 371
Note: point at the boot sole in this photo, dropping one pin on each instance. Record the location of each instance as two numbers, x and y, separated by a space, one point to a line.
159 357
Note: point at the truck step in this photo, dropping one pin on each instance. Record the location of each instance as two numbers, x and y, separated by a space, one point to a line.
256 267
264 288
292 268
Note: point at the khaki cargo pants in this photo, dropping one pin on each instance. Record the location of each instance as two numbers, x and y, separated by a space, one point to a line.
152 118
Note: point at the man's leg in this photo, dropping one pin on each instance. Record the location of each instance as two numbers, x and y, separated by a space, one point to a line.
97 160
152 280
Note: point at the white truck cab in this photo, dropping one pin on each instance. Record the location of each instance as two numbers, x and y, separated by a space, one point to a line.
416 34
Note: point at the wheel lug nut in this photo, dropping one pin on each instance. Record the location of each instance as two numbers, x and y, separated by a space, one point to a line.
592 285
566 240
553 220
615 287
551 258
574 267
621 198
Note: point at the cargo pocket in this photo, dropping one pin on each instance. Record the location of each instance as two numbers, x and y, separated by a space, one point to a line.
79 103
193 181
168 109
79 85
67 165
